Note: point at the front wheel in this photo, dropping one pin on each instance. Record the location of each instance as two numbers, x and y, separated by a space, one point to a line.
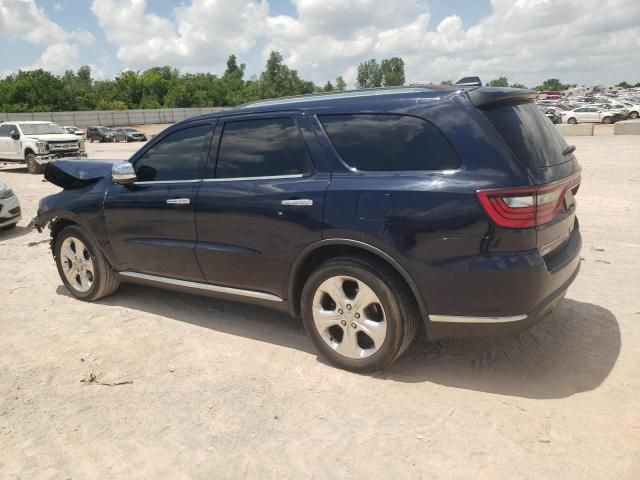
82 266
33 167
572 121
633 115
358 313
606 120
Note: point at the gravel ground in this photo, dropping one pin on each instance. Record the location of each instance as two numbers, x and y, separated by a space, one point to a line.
223 390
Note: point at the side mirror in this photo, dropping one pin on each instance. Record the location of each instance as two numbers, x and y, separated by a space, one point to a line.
14 135
123 173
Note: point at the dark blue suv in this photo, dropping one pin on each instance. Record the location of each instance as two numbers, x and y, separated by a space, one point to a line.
366 213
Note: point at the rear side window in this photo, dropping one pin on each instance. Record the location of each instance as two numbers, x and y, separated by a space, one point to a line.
5 130
262 148
389 143
533 139
176 157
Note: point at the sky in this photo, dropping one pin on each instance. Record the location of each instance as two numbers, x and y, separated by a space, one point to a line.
578 41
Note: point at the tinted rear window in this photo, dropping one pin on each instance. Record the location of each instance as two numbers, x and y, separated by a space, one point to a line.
529 134
389 143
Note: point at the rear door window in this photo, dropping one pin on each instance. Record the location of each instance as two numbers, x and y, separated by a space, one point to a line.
370 142
531 137
265 147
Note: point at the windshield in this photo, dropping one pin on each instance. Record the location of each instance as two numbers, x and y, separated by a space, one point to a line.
41 128
104 130
129 129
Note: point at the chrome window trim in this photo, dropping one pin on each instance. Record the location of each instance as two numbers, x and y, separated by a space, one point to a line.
272 177
202 286
463 319
149 182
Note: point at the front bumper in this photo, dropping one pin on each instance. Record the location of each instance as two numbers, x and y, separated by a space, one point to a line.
10 212
44 159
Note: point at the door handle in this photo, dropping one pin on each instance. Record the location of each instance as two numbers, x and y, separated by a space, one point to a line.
178 201
298 202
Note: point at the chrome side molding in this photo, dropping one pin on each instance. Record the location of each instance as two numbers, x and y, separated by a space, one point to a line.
462 319
200 286
298 202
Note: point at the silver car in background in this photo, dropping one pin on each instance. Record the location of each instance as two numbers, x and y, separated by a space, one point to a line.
10 213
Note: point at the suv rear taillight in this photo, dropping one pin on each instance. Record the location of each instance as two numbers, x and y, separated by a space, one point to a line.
527 206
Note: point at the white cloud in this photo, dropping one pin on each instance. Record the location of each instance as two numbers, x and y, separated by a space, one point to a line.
525 40
24 19
57 58
58 7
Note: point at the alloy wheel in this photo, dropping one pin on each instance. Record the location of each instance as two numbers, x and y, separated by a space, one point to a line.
77 264
349 317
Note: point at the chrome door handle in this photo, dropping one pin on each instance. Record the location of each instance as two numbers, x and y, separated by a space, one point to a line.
300 202
178 201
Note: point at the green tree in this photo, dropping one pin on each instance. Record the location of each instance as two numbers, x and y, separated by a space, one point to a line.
392 72
447 83
518 85
369 74
328 87
553 84
340 83
499 82
278 80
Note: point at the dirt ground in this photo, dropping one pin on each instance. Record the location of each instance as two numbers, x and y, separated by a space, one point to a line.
223 390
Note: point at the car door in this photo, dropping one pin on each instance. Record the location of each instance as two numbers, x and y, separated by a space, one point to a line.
11 149
151 222
4 140
262 202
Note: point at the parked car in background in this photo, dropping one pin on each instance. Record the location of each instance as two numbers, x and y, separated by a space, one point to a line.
634 108
99 134
9 207
36 143
552 114
74 130
588 114
617 112
128 134
342 209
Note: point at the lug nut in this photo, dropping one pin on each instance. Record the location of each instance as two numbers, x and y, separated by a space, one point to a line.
344 323
348 306
357 315
353 325
340 311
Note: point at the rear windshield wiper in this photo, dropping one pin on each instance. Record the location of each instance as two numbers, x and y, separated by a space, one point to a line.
569 150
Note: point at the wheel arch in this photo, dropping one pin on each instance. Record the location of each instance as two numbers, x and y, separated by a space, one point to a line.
319 252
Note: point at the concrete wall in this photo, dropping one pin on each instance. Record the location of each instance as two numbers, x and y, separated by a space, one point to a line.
581 129
627 127
109 118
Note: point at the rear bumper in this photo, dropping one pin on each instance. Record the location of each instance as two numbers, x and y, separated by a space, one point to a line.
549 286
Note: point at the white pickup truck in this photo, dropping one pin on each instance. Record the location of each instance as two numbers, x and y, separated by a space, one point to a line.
36 143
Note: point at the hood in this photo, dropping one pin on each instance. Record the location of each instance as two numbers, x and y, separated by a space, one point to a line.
55 137
76 173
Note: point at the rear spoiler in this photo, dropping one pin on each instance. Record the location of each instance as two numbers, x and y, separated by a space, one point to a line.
485 97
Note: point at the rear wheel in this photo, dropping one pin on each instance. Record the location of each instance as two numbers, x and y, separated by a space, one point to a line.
606 120
82 266
33 166
572 121
633 115
358 313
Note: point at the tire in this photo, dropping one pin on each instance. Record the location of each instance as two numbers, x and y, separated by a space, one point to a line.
607 120
633 115
128 140
94 279
387 312
572 121
32 166
90 139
